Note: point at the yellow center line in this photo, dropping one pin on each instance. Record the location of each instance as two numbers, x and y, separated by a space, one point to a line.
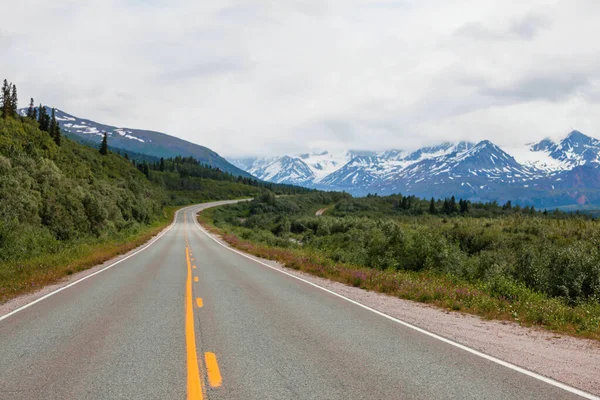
193 266
199 302
212 370
195 279
194 386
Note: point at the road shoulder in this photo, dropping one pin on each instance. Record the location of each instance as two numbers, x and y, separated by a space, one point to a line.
27 298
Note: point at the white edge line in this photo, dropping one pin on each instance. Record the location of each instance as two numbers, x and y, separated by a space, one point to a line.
97 272
506 364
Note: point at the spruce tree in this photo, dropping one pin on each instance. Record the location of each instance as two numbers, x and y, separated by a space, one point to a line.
55 133
463 206
432 210
14 102
52 128
31 109
453 206
43 119
5 99
104 145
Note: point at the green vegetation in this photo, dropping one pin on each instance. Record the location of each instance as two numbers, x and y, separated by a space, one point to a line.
505 262
56 200
65 206
188 181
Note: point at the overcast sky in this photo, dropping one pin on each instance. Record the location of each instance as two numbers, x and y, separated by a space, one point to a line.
288 76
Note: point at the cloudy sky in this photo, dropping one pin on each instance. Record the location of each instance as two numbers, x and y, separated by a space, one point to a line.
280 76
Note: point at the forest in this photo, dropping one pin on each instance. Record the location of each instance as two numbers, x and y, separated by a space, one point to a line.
528 264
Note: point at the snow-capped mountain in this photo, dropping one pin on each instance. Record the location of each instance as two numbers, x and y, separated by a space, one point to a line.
547 172
139 141
360 171
303 169
551 156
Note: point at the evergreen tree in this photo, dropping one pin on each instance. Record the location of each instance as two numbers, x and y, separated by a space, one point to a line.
14 102
162 164
446 207
432 210
43 119
31 110
6 99
55 131
52 127
405 203
463 205
104 145
453 207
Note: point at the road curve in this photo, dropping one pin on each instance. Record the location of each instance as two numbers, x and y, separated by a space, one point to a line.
321 211
188 318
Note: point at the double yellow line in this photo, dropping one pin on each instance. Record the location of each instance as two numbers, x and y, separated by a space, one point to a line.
195 387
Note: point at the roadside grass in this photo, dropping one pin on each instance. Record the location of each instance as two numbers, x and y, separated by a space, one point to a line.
499 300
17 278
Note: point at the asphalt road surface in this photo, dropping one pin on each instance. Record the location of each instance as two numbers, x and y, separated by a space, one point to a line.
189 318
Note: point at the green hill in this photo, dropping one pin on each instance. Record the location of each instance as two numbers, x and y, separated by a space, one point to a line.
140 141
51 193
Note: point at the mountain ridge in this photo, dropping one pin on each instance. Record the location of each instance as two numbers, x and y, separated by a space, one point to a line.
141 141
544 173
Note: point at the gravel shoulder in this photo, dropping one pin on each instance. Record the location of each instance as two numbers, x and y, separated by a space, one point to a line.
570 360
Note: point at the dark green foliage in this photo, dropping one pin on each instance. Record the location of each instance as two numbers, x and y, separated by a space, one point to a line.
104 145
5 99
54 129
503 248
432 209
14 102
397 205
51 196
43 119
32 111
9 100
182 173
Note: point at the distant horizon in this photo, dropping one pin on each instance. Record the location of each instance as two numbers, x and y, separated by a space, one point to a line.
224 154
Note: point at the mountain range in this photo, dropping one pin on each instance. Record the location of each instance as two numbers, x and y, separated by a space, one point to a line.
544 174
548 173
140 141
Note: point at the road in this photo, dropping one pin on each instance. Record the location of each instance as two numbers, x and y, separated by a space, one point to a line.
189 318
321 211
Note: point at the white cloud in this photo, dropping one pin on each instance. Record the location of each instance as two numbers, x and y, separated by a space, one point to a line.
267 77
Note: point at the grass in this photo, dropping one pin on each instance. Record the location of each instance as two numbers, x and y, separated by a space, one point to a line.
22 277
499 300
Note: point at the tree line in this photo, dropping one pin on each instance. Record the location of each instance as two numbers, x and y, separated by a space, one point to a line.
10 109
399 204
